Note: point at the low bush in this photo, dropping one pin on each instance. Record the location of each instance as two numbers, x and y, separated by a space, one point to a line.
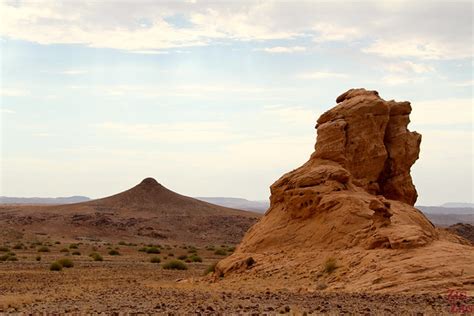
154 250
249 261
4 249
66 263
183 257
210 268
43 249
55 266
195 258
155 259
9 256
38 258
220 252
96 257
114 252
330 265
18 246
73 246
76 253
64 250
175 265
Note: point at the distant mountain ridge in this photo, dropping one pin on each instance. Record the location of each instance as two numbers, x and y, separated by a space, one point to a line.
41 200
238 203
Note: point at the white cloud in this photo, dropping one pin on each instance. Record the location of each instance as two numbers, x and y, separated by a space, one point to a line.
409 67
332 32
73 72
444 112
6 111
392 30
150 52
176 132
393 80
291 114
468 83
283 49
13 92
322 75
417 48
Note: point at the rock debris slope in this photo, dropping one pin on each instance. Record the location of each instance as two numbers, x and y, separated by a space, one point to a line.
353 202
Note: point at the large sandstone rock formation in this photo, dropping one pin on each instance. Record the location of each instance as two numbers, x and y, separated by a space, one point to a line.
355 194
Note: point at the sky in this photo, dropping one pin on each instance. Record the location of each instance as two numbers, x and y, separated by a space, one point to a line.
221 98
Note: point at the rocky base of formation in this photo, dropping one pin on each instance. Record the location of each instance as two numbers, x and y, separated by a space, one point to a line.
352 203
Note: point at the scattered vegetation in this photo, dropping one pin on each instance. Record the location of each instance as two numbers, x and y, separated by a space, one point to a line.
18 246
155 259
9 256
249 261
96 257
210 268
194 258
76 253
66 263
171 254
43 249
4 249
38 258
122 243
183 257
64 250
73 246
55 266
154 250
220 252
175 265
114 252
330 265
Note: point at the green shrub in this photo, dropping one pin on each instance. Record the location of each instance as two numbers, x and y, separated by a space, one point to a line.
43 249
231 249
122 243
153 250
143 249
4 249
210 268
18 246
66 263
96 257
76 253
195 258
249 261
175 265
155 259
220 252
55 266
114 252
73 246
64 250
183 257
9 256
330 265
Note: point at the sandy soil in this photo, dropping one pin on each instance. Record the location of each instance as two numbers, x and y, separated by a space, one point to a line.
131 283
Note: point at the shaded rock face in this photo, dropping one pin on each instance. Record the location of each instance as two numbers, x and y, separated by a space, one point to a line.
356 189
